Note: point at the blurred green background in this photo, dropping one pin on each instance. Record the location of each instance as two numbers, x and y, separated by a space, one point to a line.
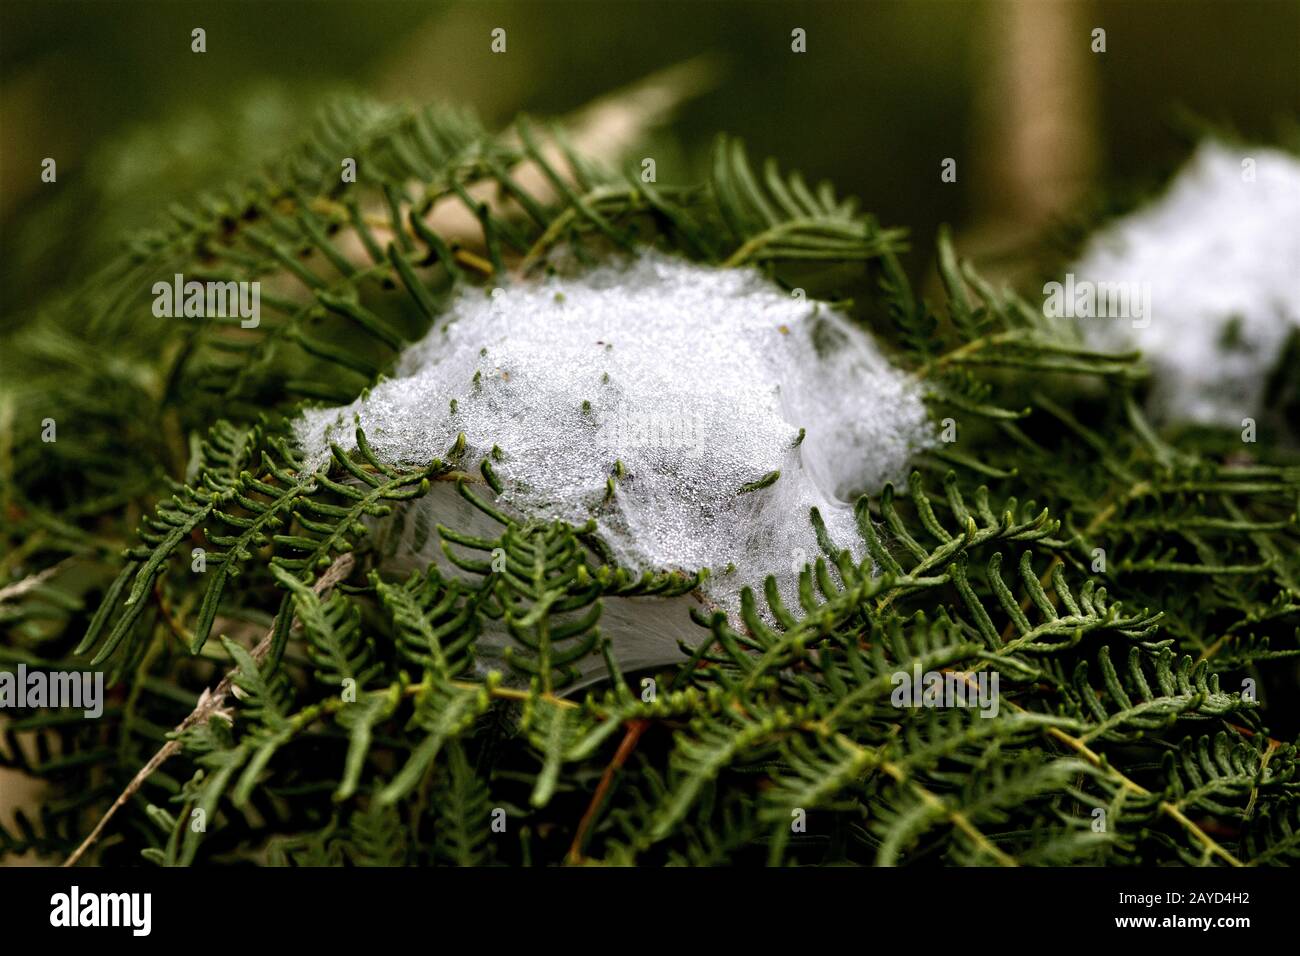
1040 124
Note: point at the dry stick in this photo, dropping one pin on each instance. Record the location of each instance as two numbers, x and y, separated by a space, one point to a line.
210 704
635 729
20 588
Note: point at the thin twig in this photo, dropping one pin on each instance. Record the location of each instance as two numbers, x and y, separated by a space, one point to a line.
210 704
19 588
635 729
